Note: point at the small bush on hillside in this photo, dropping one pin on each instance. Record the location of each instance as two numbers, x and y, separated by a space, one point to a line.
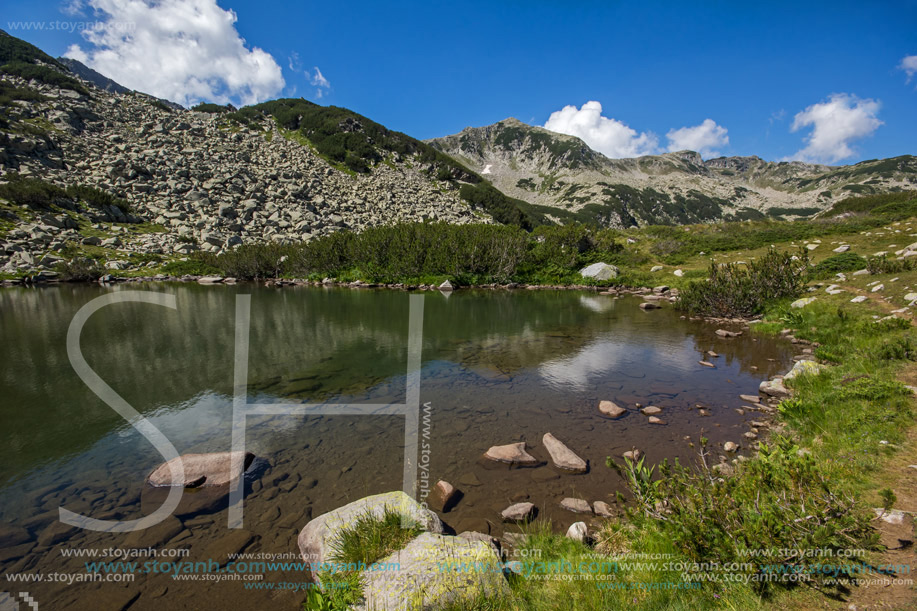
211 108
97 198
843 262
79 269
9 93
43 74
732 290
190 267
884 265
31 192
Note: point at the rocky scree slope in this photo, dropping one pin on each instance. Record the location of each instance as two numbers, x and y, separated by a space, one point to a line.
573 182
188 180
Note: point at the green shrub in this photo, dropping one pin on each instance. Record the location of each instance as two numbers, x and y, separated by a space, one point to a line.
10 93
161 105
190 267
778 503
884 265
43 74
732 290
97 198
31 192
843 262
504 209
212 108
871 203
79 269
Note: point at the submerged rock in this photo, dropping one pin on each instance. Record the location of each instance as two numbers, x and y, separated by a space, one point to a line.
576 505
443 497
725 333
213 469
562 456
520 512
513 454
651 410
611 409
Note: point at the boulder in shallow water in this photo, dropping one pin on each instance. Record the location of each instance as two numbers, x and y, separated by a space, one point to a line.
611 409
562 456
513 454
212 469
576 505
443 497
520 512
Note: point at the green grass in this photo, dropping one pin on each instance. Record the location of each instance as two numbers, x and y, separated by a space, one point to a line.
368 539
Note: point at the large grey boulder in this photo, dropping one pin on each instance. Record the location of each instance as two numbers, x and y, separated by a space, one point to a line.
318 537
600 271
434 571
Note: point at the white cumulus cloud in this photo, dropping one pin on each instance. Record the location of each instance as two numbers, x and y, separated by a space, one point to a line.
608 136
703 138
836 123
182 50
909 65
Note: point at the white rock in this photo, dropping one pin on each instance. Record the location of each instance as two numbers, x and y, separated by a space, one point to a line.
600 271
578 531
801 303
417 579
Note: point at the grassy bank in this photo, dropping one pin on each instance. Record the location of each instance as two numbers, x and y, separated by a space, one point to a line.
701 536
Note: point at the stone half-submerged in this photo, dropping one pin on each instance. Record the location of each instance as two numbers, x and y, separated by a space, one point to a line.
213 469
512 454
207 479
434 571
563 457
319 536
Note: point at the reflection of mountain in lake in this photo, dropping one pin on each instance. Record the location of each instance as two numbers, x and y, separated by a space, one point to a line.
313 345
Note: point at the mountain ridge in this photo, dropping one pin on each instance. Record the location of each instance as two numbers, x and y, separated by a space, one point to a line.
567 179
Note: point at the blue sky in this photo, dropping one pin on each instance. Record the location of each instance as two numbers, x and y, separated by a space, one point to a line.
823 81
